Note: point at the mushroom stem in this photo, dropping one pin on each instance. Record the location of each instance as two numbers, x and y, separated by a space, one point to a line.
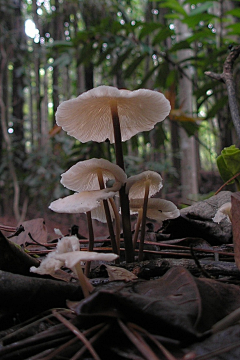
139 220
144 213
124 201
91 241
117 225
108 216
82 279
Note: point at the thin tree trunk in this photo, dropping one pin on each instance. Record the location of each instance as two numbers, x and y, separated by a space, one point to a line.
189 177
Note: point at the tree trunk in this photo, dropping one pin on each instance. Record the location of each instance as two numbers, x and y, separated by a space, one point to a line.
18 81
189 177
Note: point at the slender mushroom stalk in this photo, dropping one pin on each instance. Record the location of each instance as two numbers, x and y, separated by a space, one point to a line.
107 213
82 279
124 201
144 214
90 241
137 228
117 224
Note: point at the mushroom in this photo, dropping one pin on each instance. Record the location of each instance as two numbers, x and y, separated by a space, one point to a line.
94 174
137 185
67 253
143 185
90 116
224 212
87 175
157 209
109 113
86 201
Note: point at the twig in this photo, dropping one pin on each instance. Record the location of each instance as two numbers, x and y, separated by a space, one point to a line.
227 182
227 78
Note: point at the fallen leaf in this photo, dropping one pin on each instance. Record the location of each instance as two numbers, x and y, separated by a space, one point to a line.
118 273
37 230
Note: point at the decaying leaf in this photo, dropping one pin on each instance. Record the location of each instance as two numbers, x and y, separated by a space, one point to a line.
37 230
118 273
177 305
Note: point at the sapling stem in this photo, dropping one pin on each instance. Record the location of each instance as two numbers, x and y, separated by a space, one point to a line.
108 216
124 201
90 241
144 214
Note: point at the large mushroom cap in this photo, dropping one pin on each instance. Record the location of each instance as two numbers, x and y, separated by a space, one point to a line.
158 209
135 185
88 117
84 175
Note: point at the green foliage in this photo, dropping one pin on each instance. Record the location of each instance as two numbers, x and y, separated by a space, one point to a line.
229 164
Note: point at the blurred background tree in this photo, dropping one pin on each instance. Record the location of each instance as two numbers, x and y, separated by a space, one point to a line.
52 50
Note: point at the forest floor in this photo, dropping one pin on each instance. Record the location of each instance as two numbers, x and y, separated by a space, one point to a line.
181 303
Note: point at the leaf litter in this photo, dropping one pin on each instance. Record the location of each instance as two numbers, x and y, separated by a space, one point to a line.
181 302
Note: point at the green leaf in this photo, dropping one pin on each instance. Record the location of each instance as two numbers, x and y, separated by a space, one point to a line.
163 34
121 58
229 163
173 5
184 44
202 8
132 67
234 12
148 28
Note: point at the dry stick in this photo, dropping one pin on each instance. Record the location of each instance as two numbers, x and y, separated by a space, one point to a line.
144 214
90 241
108 215
58 350
92 340
227 78
166 353
145 350
125 210
78 333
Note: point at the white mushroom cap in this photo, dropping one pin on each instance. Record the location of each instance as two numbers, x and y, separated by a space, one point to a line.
48 266
81 202
88 117
135 185
83 175
72 258
224 212
158 209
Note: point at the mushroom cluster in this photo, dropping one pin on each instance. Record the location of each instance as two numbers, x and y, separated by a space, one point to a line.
105 113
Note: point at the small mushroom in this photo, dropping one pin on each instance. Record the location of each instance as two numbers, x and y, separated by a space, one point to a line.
94 174
224 212
136 185
157 209
67 253
88 202
87 175
143 185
